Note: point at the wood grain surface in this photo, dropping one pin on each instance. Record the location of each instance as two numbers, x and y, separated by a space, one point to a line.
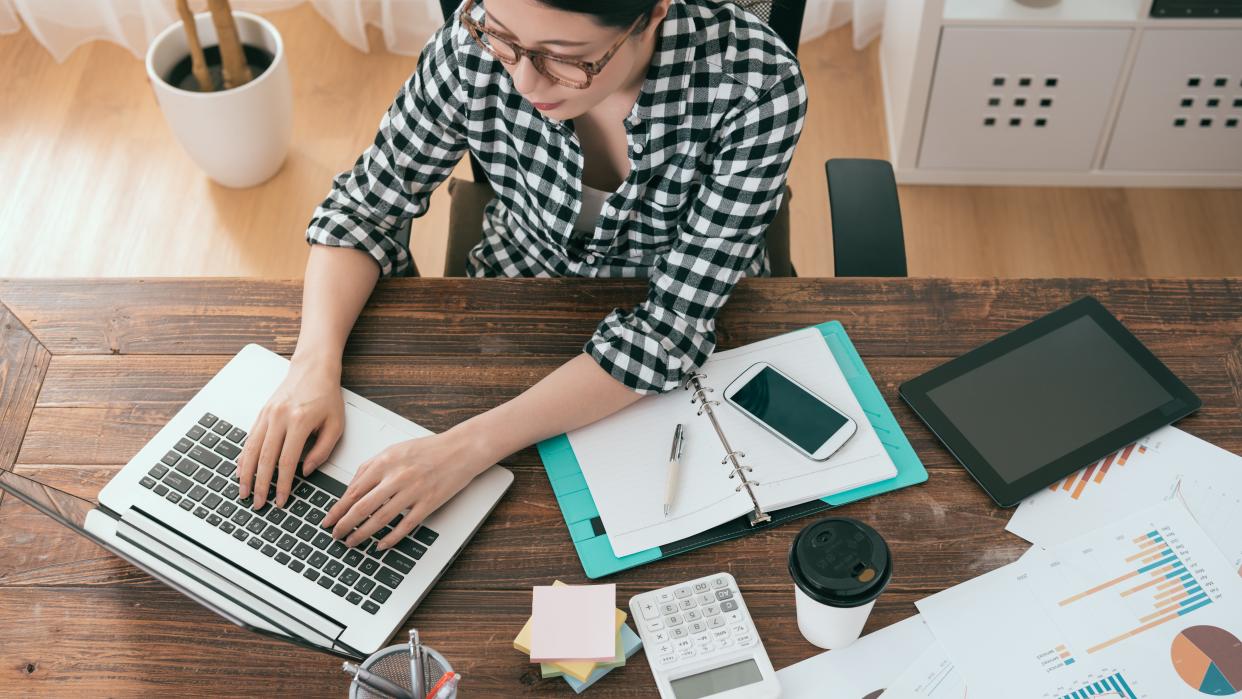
91 369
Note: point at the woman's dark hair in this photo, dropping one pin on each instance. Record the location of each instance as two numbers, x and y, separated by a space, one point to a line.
614 13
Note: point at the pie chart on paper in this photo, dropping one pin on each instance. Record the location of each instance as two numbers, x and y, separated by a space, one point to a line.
1209 659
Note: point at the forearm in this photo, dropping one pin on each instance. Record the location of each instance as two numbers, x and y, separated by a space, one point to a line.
578 393
337 284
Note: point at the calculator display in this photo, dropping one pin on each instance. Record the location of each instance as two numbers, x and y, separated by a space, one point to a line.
721 679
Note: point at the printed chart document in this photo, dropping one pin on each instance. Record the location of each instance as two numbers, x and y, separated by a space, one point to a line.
931 676
1143 608
861 670
1168 463
624 458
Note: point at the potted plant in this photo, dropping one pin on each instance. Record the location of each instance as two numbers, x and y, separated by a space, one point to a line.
222 80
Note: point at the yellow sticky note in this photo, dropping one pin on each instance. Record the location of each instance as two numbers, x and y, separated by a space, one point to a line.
578 669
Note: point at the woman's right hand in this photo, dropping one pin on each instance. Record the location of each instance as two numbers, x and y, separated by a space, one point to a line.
307 404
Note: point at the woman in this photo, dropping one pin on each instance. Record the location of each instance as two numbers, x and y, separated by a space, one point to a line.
629 138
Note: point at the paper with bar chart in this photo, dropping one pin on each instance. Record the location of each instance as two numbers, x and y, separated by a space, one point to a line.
1167 463
1111 613
932 676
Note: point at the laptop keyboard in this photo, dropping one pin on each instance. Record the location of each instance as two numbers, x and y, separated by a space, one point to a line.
198 476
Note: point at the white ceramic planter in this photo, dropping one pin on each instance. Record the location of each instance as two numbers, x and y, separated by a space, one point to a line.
239 137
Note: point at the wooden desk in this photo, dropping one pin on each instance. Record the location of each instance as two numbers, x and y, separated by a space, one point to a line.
89 370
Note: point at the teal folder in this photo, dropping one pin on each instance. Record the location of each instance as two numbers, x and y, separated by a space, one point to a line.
586 530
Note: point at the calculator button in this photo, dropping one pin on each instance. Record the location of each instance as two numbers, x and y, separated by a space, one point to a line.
701 586
649 610
715 622
667 659
697 627
668 608
719 634
687 603
744 640
664 648
682 592
684 644
720 581
673 619
664 596
724 643
706 648
659 636
724 594
693 615
655 625
707 598
728 606
686 654
734 617
711 609
679 632
739 629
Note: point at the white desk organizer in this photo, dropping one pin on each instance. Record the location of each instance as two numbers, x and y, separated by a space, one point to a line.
1080 93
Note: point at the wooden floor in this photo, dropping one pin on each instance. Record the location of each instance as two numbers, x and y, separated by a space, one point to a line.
95 185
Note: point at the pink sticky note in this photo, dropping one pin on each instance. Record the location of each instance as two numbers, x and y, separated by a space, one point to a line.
574 622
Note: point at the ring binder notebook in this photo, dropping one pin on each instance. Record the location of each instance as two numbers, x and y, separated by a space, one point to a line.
566 462
739 470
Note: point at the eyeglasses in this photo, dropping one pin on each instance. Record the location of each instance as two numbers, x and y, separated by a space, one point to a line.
562 70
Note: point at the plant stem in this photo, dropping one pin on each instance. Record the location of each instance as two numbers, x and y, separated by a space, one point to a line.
197 61
232 57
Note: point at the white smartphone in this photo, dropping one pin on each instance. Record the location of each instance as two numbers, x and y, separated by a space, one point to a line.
790 411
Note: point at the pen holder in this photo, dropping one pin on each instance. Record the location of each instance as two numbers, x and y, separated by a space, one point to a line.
393 664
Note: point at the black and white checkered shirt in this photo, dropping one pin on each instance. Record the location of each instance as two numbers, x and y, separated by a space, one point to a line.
710 141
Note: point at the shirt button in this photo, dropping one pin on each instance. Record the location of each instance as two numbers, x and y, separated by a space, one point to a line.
638 148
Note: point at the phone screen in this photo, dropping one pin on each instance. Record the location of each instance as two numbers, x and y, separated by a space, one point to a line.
788 409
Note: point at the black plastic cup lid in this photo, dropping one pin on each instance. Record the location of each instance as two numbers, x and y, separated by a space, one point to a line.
840 562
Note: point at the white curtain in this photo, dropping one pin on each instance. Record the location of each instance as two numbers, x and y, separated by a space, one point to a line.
63 25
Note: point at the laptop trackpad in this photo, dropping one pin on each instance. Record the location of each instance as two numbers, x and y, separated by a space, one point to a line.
365 436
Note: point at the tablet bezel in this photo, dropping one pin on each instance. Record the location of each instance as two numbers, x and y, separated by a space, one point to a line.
1008 493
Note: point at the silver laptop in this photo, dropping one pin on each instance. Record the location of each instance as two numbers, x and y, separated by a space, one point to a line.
173 510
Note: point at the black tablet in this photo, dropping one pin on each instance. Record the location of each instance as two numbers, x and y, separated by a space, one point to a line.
1035 405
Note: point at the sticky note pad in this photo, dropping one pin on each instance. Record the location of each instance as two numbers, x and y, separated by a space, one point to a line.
630 641
573 622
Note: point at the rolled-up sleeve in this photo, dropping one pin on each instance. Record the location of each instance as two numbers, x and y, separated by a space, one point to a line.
420 139
653 347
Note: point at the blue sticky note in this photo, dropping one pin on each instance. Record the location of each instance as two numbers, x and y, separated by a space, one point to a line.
629 641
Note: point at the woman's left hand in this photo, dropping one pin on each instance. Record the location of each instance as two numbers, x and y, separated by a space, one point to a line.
419 475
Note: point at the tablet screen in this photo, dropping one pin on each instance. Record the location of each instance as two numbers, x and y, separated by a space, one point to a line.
1045 399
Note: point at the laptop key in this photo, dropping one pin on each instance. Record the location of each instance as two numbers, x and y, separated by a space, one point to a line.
369 566
201 512
226 508
196 432
353 598
310 574
197 493
204 457
315 516
275 516
256 526
236 435
364 585
241 517
226 468
370 607
186 504
228 450
286 542
161 489
337 549
398 562
171 458
410 548
282 558
296 566
227 527
352 557
389 577
158 471
349 577
207 420
183 445
203 475
303 490
291 524
339 590
269 550
334 568
317 559
318 498
325 582
214 520
300 508
221 427
240 534
380 594
301 551
307 532
147 482
210 440
267 507
322 540
187 467
212 500
425 535
271 534
178 482
323 480
254 543
232 491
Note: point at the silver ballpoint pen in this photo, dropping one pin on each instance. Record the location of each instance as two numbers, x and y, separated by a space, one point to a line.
674 465
375 683
416 665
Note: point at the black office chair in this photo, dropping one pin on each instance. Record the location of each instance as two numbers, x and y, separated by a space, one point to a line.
469 198
867 237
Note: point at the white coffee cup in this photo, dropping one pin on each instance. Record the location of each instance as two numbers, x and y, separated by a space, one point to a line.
839 567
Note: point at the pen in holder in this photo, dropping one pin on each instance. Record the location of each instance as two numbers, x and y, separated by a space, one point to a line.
393 664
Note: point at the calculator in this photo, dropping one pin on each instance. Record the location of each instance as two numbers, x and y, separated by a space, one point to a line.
701 641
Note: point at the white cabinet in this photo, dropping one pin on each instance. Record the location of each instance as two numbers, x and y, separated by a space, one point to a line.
1080 92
